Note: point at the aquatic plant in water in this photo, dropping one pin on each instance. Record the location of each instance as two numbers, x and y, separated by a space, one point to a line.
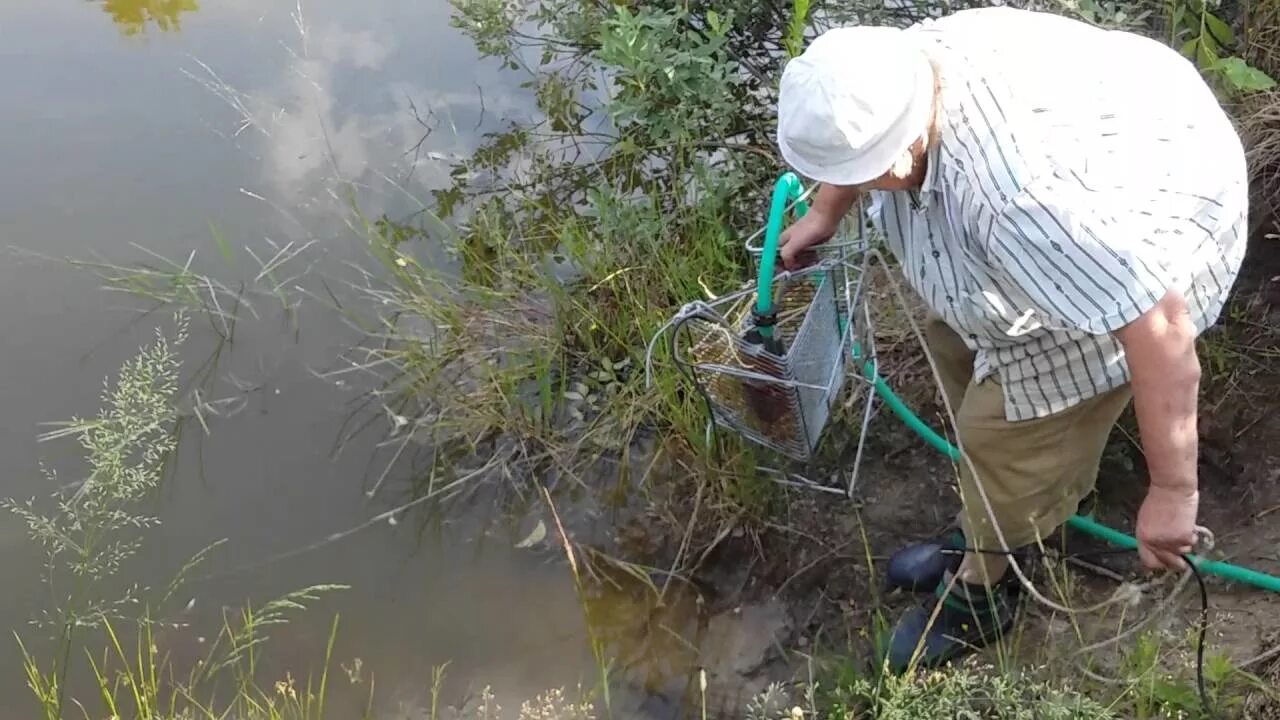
93 526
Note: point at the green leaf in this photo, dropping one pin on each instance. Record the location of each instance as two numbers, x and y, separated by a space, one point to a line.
1206 57
1219 30
1189 48
1243 76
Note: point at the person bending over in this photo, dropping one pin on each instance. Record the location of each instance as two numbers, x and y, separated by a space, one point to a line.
1071 204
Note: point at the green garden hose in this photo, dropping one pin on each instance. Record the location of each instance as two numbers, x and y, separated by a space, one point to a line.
789 189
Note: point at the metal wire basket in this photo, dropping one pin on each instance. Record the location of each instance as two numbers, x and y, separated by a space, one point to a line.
780 400
771 359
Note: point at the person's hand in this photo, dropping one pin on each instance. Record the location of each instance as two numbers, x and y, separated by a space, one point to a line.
795 242
1167 527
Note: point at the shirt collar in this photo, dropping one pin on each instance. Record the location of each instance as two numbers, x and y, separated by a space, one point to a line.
931 184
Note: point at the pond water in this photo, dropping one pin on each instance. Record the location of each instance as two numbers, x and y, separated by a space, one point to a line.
136 126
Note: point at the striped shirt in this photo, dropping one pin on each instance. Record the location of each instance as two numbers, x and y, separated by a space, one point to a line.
1077 176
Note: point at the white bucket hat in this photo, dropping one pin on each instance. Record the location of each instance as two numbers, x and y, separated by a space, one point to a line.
853 102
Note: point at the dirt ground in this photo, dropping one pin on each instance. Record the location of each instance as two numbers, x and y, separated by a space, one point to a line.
823 560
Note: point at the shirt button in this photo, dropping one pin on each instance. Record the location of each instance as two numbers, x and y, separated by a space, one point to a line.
950 299
937 254
973 336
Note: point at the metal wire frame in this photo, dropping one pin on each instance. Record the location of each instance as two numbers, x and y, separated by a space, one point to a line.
780 400
845 260
810 415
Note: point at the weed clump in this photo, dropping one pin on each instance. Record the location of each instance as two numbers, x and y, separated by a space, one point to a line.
965 692
92 530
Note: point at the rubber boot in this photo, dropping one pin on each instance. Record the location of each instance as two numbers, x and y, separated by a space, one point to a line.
967 617
919 567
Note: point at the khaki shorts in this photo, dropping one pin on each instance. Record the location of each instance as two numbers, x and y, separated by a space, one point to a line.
1036 471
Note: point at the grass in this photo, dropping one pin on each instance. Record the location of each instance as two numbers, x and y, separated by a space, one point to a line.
91 530
1258 115
169 284
138 681
552 366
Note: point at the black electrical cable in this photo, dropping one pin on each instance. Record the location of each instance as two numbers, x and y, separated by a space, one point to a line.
1202 629
1082 553
1202 624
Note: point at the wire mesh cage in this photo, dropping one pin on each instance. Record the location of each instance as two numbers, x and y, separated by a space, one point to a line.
771 360
777 394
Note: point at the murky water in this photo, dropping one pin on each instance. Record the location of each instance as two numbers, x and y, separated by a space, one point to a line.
136 126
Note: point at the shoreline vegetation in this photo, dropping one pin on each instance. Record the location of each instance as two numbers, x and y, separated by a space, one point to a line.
520 372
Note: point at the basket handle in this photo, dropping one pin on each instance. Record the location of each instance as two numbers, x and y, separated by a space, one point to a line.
786 190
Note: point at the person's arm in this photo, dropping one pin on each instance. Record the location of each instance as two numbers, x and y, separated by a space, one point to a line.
830 203
1084 274
1165 375
834 200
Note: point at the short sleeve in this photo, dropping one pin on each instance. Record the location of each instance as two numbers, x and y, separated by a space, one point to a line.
1083 271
